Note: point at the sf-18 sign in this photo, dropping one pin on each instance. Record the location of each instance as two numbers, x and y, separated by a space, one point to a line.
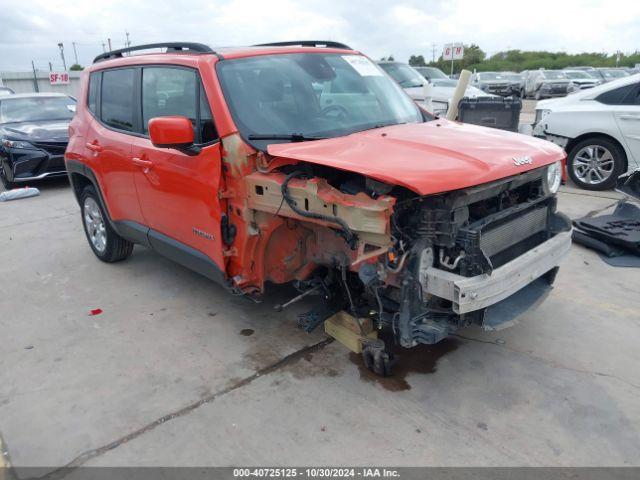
59 78
453 51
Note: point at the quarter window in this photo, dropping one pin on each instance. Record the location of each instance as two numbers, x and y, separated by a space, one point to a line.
618 96
94 83
117 98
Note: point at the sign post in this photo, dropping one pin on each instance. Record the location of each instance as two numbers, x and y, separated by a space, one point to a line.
453 51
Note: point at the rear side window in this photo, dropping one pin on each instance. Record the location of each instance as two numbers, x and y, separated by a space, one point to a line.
117 106
170 91
92 101
618 96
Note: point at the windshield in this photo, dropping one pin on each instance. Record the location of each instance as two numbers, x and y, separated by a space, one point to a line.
33 109
406 76
311 95
489 76
554 75
577 75
431 73
513 77
614 73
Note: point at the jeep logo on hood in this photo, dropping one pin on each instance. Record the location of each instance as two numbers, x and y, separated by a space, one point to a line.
524 160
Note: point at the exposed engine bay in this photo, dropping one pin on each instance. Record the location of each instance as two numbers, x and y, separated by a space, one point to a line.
419 266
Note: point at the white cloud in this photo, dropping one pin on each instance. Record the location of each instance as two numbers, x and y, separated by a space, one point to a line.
31 29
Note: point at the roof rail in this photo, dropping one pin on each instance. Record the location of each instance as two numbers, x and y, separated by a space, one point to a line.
306 43
170 46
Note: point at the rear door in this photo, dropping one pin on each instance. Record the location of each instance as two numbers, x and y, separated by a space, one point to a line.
178 192
627 115
109 139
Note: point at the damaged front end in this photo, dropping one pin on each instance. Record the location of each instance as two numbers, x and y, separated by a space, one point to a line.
419 266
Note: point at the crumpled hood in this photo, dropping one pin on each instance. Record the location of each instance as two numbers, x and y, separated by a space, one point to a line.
41 131
428 158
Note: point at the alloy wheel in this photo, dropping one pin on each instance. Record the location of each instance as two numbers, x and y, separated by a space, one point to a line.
593 164
94 223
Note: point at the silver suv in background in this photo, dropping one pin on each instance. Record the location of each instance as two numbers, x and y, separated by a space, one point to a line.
546 84
580 80
497 83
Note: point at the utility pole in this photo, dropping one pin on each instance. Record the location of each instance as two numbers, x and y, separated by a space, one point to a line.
35 77
104 49
50 67
433 52
75 53
109 42
128 43
64 62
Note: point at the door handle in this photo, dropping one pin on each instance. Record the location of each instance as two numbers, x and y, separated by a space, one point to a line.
145 164
629 117
94 146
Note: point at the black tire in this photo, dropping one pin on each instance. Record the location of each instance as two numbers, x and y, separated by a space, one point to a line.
5 182
113 247
619 160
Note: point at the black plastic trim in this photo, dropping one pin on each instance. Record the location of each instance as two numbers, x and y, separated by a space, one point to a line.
172 47
306 43
185 256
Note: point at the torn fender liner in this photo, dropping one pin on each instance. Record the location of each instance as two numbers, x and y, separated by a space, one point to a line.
620 228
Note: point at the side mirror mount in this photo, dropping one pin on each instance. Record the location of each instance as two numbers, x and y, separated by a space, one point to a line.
173 132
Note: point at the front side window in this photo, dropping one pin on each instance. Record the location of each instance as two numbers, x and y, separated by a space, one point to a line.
34 109
311 94
170 91
117 98
167 92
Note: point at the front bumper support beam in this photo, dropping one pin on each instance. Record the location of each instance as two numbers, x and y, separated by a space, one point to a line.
468 294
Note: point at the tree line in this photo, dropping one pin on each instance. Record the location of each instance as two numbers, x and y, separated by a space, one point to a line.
519 60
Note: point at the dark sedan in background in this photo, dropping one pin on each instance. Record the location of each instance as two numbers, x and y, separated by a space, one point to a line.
33 136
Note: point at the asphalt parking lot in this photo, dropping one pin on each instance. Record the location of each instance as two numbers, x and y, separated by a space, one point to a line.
176 372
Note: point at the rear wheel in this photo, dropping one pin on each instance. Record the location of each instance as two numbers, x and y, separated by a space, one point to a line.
107 245
595 163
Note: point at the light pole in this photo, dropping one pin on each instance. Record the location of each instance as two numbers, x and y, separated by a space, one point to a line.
75 53
64 62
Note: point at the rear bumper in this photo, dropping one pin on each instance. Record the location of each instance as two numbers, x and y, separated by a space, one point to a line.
468 294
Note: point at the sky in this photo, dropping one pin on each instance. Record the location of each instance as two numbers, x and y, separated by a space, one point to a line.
31 29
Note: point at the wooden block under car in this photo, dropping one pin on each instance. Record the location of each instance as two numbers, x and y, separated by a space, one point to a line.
344 328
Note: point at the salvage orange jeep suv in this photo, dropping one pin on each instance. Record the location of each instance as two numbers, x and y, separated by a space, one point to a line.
304 163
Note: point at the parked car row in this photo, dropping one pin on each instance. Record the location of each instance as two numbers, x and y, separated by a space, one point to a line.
412 80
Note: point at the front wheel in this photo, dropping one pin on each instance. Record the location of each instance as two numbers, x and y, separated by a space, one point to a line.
595 164
107 245
5 181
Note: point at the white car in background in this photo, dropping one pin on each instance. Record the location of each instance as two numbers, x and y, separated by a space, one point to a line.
599 128
413 82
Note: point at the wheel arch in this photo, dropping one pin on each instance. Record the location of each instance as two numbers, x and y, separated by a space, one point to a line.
81 176
574 141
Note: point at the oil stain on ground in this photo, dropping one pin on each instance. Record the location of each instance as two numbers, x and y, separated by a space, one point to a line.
420 359
247 332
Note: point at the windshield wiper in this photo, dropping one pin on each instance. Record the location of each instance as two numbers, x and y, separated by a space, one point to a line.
293 137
